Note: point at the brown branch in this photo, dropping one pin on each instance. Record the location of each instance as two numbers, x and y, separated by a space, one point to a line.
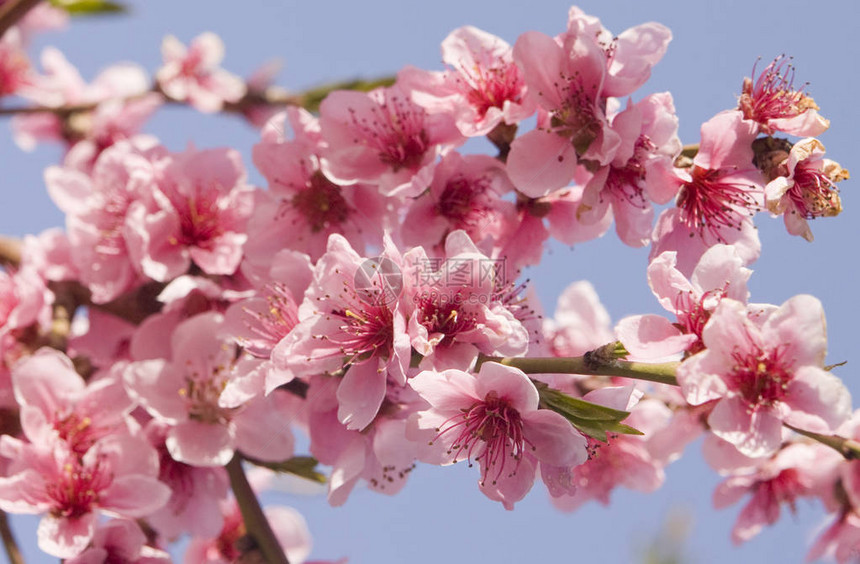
688 153
9 543
133 306
10 252
272 96
12 11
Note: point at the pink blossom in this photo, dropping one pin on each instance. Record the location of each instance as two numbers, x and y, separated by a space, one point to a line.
466 193
24 300
383 138
49 255
120 541
764 374
624 460
116 475
302 206
288 525
379 455
62 85
110 122
186 391
198 214
56 403
98 211
718 197
566 80
492 418
196 492
807 189
581 323
457 310
192 74
15 71
640 172
840 540
719 273
777 481
103 338
553 215
350 318
774 104
260 322
482 88
629 56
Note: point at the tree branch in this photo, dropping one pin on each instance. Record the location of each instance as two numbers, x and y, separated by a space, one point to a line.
9 543
273 96
12 11
255 520
663 373
849 448
10 252
600 363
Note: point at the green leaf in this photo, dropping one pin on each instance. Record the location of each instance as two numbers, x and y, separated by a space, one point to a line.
89 7
301 466
594 420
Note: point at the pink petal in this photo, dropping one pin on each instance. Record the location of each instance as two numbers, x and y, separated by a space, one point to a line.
540 162
731 491
447 391
508 383
157 384
47 380
652 336
263 430
291 530
201 444
798 326
554 439
65 538
819 400
700 378
360 394
726 141
134 496
755 433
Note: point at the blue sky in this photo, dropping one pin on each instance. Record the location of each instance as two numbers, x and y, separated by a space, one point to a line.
441 515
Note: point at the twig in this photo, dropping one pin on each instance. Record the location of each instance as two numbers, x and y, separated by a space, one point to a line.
272 96
255 520
663 373
849 448
12 11
10 251
9 543
597 363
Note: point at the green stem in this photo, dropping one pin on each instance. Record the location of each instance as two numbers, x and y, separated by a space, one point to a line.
255 520
600 363
663 373
849 448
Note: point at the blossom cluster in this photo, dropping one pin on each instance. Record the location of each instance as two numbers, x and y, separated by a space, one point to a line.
369 296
